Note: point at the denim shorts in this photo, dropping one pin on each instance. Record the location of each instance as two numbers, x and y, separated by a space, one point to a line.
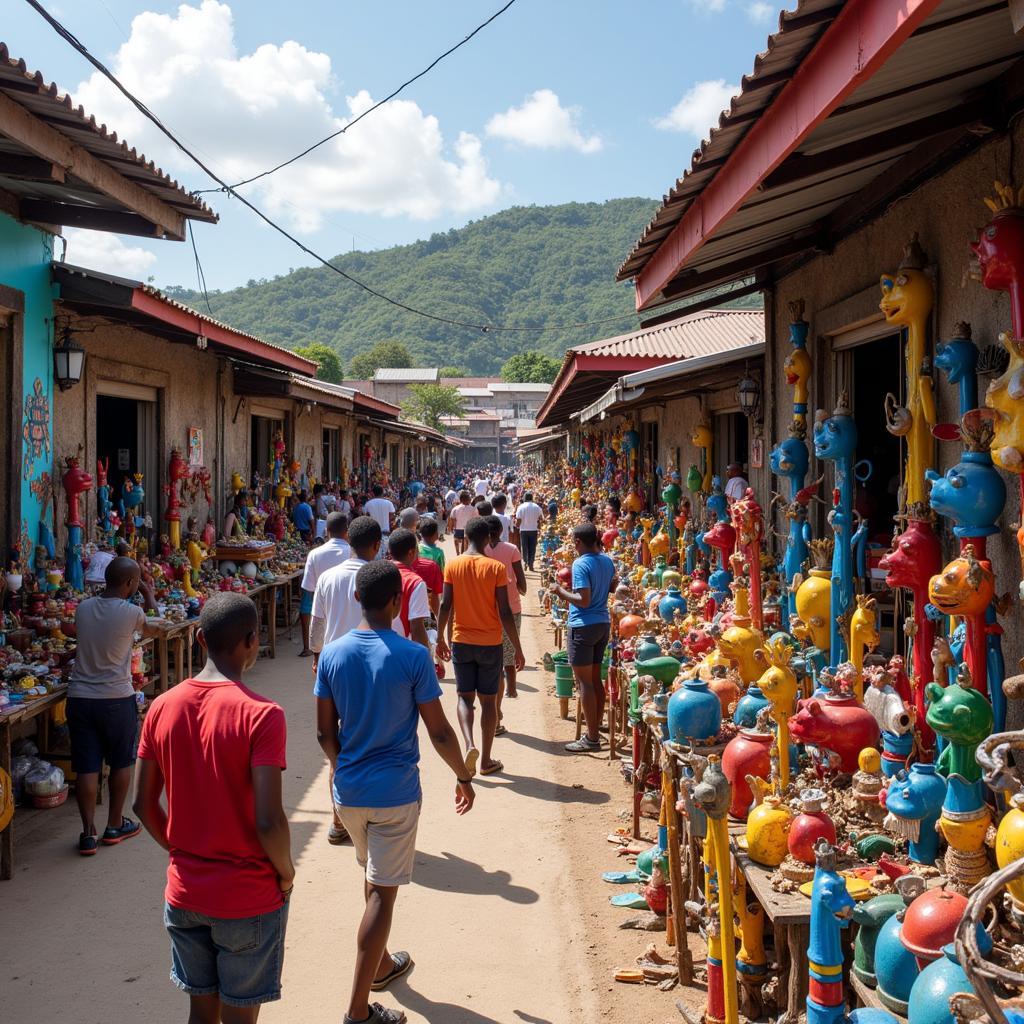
238 960
477 668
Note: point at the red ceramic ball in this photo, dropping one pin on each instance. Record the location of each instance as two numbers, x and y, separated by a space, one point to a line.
565 576
931 922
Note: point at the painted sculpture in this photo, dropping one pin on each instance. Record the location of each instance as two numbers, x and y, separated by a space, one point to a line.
838 724
895 718
748 522
907 299
703 439
76 481
132 496
913 802
779 685
835 440
864 636
958 359
104 506
177 473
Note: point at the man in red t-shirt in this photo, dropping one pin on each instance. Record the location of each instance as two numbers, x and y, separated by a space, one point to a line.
415 612
219 751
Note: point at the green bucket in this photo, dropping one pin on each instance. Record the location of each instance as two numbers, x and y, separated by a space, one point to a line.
564 682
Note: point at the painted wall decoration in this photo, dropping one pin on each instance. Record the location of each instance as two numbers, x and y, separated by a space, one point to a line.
36 429
195 446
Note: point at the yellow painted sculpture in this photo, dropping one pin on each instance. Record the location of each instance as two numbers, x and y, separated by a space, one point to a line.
814 599
741 643
797 368
907 300
1004 395
195 554
779 685
768 831
237 483
703 439
751 917
646 525
282 492
658 545
864 635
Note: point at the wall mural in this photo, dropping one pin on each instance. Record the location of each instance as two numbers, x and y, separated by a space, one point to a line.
36 430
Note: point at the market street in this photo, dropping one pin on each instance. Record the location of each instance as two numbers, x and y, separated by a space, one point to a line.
506 918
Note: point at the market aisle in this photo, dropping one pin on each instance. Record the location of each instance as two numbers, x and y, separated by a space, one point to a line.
495 919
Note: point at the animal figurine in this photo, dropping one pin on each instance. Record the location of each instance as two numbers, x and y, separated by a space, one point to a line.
837 724
797 367
958 359
779 684
864 636
907 300
76 482
894 716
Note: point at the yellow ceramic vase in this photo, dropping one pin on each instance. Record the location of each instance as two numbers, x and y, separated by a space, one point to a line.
768 832
1010 844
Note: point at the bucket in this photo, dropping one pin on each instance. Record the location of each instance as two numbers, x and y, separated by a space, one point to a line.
564 681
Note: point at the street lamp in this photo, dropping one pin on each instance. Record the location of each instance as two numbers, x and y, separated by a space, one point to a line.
68 362
748 391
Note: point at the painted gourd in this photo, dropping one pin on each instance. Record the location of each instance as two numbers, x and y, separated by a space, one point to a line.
694 713
747 753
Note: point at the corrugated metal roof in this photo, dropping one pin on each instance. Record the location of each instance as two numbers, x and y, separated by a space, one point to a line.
525 388
475 392
46 102
940 89
412 375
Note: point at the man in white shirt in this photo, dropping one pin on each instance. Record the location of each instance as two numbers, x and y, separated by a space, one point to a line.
528 518
736 486
451 496
336 612
383 511
461 514
500 504
481 486
329 554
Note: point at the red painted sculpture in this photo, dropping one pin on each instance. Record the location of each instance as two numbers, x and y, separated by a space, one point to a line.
177 473
76 482
838 724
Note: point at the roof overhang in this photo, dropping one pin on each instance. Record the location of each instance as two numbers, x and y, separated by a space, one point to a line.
264 382
851 107
673 380
138 305
58 167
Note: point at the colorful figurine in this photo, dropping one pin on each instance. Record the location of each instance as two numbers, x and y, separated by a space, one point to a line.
703 438
76 482
779 685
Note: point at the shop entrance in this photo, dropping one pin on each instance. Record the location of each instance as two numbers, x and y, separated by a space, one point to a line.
126 435
261 450
732 443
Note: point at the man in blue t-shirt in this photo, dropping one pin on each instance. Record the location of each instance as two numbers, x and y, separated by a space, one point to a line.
372 688
593 579
302 517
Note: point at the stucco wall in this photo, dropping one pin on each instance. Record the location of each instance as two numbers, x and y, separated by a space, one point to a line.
841 291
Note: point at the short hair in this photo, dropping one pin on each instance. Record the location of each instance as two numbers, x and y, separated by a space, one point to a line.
318 488
377 490
420 500
528 496
400 543
587 533
485 508
495 525
478 530
226 620
590 511
336 524
500 500
123 549
464 495
302 495
407 518
428 527
364 533
377 583
120 570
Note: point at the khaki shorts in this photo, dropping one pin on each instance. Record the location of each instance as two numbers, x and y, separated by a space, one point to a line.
385 840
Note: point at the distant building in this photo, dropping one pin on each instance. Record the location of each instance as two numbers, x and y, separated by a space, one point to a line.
483 432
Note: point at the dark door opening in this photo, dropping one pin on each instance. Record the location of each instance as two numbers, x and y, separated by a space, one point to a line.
126 443
261 452
732 444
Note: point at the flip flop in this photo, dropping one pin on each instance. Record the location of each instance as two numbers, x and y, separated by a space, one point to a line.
621 877
494 769
629 900
500 731
472 756
402 962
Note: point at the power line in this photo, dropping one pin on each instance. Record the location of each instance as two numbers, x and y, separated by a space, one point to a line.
380 103
200 276
76 44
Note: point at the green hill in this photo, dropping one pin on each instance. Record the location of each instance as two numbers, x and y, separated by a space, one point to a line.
525 266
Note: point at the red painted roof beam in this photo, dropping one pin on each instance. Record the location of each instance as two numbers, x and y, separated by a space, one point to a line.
863 36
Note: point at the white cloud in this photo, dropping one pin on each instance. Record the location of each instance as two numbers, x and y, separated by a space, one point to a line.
541 122
699 109
99 250
243 113
761 10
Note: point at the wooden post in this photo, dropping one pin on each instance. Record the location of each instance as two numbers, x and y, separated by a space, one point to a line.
677 887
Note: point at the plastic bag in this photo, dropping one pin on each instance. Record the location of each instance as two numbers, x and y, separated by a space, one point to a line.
25 746
44 780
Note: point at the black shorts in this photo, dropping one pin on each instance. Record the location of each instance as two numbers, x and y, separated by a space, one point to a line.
102 729
477 668
586 644
458 534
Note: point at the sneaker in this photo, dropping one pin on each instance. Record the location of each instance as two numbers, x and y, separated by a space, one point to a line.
87 845
379 1015
113 836
583 745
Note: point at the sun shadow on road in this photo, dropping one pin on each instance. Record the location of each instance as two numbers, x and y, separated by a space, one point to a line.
450 1013
449 873
529 1018
543 789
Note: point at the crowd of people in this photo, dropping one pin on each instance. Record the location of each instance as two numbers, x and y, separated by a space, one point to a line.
383 611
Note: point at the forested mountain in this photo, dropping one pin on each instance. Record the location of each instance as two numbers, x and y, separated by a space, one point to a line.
525 266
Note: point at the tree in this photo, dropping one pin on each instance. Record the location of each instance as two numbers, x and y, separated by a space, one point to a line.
530 368
383 354
330 365
453 371
427 403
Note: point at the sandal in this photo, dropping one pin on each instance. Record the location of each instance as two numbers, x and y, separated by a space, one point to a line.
494 769
401 963
472 756
337 836
500 731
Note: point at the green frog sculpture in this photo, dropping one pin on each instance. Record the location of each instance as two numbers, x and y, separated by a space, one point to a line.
963 716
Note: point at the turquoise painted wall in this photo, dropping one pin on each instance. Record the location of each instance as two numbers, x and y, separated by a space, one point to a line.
25 257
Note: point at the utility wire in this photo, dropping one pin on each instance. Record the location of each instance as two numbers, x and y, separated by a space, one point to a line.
200 276
380 103
76 44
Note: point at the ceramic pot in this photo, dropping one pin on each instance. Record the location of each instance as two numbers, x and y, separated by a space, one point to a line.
895 967
836 723
931 922
672 602
1010 844
693 712
748 706
726 689
629 625
810 825
768 827
647 649
929 998
664 668
747 753
870 917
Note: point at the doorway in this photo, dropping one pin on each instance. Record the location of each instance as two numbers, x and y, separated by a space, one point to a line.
126 440
261 451
732 443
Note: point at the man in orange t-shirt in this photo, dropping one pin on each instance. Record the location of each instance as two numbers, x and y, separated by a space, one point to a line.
474 609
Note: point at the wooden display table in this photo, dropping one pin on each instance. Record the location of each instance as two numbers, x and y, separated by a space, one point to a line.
165 635
227 553
37 709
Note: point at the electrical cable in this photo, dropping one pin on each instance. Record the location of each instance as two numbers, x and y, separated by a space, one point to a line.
200 276
380 103
82 49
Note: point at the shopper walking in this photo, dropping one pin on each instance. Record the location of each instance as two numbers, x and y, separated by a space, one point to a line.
332 552
529 515
509 556
373 688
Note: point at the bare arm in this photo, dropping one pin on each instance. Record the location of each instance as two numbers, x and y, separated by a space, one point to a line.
317 635
272 823
148 600
327 728
446 743
517 568
579 598
148 808
443 622
418 632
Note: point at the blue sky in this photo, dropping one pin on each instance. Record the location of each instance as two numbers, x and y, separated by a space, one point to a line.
558 100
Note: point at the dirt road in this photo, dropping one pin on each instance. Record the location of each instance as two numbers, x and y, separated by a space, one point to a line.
507 918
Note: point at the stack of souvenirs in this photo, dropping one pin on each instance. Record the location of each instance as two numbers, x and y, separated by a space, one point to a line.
870 783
